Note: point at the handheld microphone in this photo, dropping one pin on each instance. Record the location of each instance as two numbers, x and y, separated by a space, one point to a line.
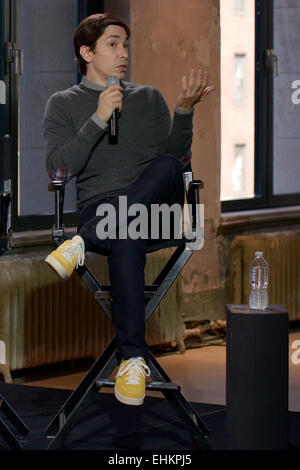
114 120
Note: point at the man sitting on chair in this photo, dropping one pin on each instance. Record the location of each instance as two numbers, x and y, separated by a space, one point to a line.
144 165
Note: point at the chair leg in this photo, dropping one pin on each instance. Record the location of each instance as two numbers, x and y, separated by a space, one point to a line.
70 412
189 416
182 407
8 436
63 422
12 416
164 281
167 277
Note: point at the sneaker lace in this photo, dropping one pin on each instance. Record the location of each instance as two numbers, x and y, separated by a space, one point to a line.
74 251
135 368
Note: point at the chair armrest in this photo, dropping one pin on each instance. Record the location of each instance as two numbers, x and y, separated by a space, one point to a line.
194 185
58 187
55 185
5 199
193 198
5 229
5 194
192 188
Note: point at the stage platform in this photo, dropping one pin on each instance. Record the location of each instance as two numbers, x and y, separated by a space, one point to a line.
110 425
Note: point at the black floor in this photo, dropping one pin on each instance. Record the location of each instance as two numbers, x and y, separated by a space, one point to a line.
109 425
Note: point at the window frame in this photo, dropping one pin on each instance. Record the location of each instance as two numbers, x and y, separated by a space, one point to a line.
263 145
9 123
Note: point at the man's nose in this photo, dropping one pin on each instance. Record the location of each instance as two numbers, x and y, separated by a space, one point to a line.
124 52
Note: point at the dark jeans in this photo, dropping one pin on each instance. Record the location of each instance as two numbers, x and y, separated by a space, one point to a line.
161 182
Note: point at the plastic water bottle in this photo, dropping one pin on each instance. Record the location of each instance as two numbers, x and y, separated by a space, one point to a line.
258 299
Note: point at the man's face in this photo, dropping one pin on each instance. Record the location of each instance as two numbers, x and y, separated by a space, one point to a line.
110 56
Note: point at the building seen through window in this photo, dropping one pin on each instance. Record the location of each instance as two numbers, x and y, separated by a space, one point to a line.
239 78
237 99
238 172
239 6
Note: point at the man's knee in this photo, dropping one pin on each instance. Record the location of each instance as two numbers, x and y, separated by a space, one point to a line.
128 247
170 164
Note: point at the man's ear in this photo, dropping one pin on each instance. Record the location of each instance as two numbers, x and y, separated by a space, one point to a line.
85 53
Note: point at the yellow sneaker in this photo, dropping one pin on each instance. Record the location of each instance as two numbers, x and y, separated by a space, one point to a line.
130 381
67 257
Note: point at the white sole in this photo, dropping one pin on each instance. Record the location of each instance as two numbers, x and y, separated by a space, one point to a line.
54 264
129 401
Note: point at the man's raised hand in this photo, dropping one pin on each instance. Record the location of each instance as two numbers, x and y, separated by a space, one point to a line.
194 89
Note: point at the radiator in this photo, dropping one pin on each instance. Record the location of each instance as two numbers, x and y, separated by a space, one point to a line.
282 252
44 320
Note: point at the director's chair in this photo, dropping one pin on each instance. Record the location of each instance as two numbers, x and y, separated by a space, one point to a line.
98 375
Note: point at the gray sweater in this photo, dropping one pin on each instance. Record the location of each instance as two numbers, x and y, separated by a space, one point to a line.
76 138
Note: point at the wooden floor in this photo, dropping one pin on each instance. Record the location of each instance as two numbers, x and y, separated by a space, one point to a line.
200 371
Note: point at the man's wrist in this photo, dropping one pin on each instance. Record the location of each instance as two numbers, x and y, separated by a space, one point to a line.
101 116
180 110
99 121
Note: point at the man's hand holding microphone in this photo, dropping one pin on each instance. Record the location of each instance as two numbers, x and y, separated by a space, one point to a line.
110 104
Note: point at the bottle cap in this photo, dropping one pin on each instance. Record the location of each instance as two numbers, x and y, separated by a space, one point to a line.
259 254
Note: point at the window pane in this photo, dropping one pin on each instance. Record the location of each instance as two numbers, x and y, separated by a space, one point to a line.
286 121
238 174
239 78
239 6
237 100
45 32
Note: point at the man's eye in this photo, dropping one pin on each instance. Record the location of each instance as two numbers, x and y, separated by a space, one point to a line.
113 44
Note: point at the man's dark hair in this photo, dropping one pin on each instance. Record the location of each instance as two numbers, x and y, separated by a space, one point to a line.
88 32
